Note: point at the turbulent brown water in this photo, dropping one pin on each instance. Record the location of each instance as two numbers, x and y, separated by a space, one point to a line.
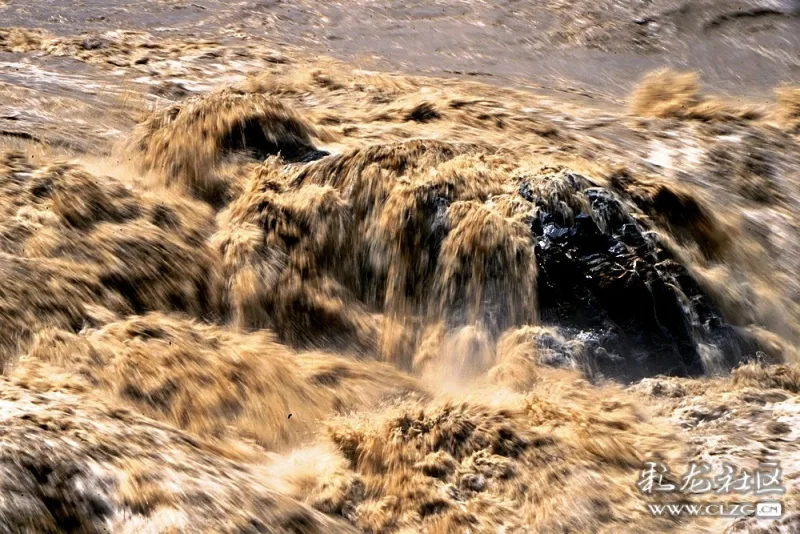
250 286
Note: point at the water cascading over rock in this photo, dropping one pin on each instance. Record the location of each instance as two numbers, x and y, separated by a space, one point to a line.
381 244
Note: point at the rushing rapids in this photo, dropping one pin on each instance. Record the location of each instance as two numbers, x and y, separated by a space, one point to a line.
249 290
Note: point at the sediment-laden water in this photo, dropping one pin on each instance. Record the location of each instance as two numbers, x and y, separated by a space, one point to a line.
249 285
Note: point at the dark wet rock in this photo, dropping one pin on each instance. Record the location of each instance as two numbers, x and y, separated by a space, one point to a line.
94 43
555 351
424 112
604 275
678 210
473 482
310 155
569 348
660 387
